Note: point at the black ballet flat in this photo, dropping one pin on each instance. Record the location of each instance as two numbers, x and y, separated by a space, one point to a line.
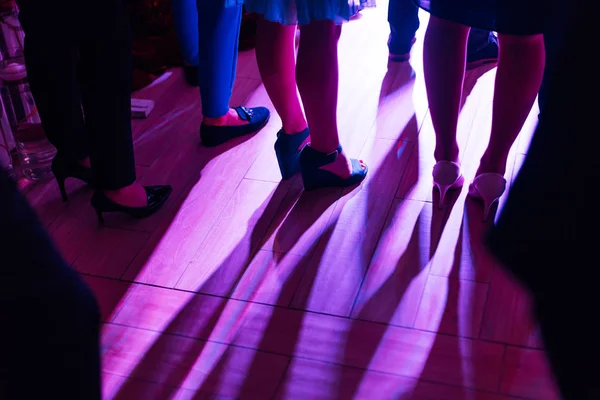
157 196
61 169
287 149
314 177
257 118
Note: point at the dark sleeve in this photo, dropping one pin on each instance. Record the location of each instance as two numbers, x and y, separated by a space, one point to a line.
50 319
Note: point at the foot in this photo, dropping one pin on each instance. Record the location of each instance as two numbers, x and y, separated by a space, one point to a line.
333 169
238 122
131 196
447 153
134 200
447 176
487 55
232 118
342 166
491 165
488 188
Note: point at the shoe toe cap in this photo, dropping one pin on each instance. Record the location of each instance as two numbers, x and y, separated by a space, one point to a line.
260 114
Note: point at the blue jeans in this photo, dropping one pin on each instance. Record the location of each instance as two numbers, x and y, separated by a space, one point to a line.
403 16
208 35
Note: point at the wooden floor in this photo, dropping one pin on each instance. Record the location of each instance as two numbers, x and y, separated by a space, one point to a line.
245 287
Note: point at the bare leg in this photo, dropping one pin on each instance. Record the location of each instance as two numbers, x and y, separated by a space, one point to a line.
317 75
518 80
276 58
444 61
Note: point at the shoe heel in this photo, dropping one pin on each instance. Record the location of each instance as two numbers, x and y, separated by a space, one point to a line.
443 189
287 150
98 203
100 217
487 207
61 186
449 173
289 165
488 188
61 177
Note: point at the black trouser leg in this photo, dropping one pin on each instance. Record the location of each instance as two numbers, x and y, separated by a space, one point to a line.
106 76
78 55
51 60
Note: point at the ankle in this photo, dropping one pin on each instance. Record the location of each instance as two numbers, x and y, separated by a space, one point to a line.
295 128
218 121
451 154
325 148
491 165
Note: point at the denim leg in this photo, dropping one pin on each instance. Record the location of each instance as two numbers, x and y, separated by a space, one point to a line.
218 37
185 14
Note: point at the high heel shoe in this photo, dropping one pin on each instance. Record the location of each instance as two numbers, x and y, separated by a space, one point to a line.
447 176
287 149
156 197
487 187
61 169
314 177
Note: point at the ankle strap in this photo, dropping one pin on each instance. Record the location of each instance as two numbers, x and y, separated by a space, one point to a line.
319 159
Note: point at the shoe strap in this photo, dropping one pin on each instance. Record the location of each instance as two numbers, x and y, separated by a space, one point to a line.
319 159
244 113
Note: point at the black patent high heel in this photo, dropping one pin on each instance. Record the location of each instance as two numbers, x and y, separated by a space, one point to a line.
63 170
156 197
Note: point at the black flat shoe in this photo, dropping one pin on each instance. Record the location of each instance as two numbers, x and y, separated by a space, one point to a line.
63 170
156 195
257 118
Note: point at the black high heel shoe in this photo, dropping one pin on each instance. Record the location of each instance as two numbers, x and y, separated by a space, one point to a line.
156 195
314 177
63 170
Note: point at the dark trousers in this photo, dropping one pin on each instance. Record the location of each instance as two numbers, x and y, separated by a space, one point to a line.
554 38
78 56
547 234
49 340
403 16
